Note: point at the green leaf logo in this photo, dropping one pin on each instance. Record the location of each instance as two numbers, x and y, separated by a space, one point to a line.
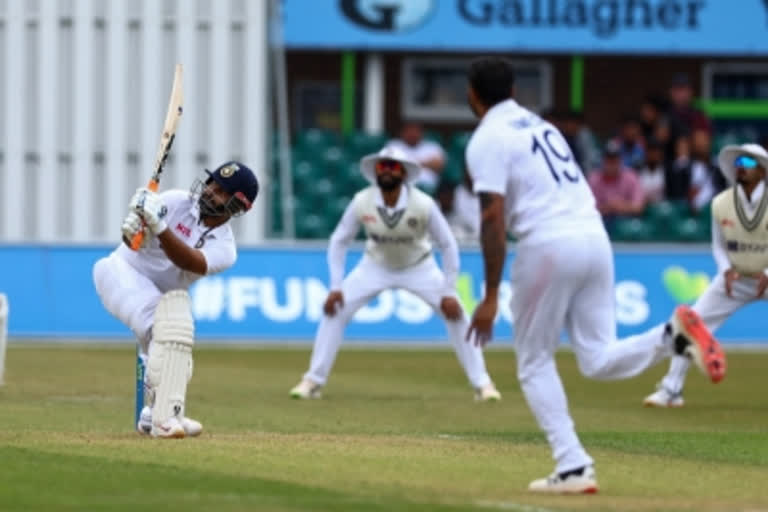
684 287
466 296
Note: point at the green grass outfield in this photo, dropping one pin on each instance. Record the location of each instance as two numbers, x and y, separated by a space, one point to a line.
397 430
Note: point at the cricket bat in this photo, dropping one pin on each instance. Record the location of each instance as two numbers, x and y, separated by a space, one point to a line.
172 117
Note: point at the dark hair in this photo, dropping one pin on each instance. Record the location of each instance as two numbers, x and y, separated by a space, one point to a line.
492 79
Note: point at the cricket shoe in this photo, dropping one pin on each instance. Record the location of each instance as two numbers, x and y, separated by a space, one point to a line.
144 426
692 338
170 429
487 393
192 428
307 389
662 397
578 481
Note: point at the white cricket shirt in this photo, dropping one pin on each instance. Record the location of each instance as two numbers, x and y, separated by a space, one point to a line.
719 238
515 153
183 218
358 213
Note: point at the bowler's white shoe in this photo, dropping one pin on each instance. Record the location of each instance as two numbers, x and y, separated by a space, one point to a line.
170 429
192 428
579 481
487 393
662 397
307 389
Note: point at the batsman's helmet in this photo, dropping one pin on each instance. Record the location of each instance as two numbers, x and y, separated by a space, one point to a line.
237 180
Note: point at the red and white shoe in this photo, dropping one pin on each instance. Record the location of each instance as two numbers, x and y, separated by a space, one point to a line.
692 338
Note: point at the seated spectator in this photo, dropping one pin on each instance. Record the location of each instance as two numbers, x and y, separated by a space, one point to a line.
704 173
631 142
581 140
653 175
652 117
461 208
617 189
678 183
429 154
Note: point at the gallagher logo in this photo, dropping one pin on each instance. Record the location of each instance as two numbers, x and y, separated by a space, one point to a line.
387 15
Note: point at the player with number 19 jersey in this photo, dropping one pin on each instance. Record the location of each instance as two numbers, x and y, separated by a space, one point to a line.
546 194
562 274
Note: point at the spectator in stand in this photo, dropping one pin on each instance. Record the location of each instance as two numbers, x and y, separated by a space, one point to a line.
617 189
631 142
461 208
678 185
653 121
683 117
653 175
429 154
703 171
580 139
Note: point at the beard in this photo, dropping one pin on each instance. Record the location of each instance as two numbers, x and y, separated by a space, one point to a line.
388 182
209 207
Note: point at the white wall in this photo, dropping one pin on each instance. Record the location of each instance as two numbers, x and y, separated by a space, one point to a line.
83 95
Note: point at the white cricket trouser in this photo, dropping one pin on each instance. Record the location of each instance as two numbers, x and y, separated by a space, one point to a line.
714 307
568 283
368 279
128 295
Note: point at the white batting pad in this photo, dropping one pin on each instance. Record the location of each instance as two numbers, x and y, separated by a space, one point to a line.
170 356
3 334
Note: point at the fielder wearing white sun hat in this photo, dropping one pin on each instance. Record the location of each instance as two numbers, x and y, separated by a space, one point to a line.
727 158
368 164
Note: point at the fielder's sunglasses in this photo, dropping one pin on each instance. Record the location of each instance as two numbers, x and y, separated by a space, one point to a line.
747 162
386 163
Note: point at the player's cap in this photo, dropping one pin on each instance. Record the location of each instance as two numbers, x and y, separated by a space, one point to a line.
728 155
368 164
612 148
238 180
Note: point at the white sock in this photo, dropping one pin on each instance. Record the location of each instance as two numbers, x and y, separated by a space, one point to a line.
674 380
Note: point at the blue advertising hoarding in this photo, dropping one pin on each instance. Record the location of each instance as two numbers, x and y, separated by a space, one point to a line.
712 27
275 294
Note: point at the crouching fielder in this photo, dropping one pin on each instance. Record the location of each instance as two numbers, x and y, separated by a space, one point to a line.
187 236
740 249
398 220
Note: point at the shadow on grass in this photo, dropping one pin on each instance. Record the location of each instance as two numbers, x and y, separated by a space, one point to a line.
34 480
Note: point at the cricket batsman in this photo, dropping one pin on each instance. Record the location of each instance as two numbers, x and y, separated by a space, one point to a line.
740 249
187 236
399 220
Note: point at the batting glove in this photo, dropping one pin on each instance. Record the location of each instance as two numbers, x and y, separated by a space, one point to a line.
150 207
132 225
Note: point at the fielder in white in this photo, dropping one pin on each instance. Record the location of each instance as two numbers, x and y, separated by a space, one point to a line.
562 275
399 221
740 249
187 236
